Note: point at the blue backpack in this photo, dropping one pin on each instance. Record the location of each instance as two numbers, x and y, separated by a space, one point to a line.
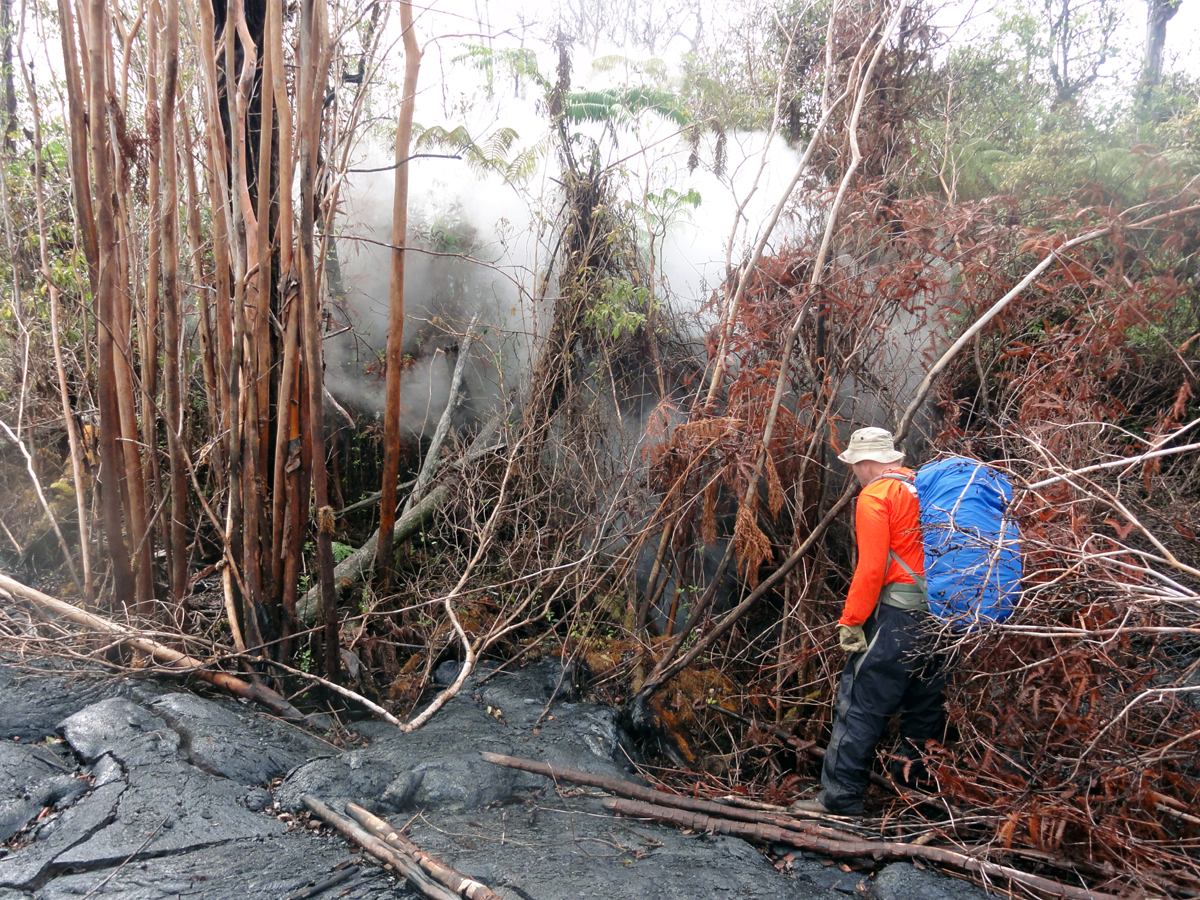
972 555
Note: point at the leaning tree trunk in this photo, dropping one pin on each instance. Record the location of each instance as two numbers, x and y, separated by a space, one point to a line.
1158 14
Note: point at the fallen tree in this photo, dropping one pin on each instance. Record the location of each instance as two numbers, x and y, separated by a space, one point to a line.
832 835
358 565
845 848
170 658
434 867
404 864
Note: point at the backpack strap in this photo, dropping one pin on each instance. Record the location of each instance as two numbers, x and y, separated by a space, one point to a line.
918 580
898 476
913 596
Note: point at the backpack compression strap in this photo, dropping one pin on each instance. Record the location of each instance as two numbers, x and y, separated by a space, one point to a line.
906 596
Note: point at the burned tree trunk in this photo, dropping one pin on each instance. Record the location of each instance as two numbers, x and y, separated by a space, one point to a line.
172 311
111 469
314 62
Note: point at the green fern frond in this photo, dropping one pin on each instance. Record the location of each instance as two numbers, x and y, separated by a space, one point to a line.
582 108
489 157
477 55
436 137
525 164
610 63
620 104
654 69
517 61
500 142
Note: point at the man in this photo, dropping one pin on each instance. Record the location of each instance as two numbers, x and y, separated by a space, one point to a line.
891 666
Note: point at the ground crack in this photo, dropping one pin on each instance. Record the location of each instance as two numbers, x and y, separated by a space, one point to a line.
52 871
48 870
185 743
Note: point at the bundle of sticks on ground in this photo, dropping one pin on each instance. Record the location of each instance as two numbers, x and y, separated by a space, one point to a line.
839 837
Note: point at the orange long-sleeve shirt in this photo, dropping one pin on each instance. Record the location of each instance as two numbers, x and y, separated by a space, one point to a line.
887 518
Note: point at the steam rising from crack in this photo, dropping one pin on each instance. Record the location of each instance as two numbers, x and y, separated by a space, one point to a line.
480 247
463 262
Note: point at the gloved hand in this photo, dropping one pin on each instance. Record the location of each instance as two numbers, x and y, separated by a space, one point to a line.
852 638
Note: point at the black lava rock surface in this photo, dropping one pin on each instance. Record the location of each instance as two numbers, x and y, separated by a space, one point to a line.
134 789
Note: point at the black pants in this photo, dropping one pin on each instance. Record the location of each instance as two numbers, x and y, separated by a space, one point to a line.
900 671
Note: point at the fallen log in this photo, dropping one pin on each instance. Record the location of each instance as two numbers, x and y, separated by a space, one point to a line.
433 456
161 653
384 558
456 881
358 564
624 788
401 862
371 499
849 846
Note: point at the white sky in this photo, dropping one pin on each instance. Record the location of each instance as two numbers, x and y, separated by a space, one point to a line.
963 20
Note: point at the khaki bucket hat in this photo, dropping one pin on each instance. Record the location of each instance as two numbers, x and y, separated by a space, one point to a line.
871 443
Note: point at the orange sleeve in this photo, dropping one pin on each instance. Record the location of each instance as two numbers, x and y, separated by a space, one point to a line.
873 530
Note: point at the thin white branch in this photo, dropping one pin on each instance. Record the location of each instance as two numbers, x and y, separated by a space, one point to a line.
999 306
801 168
1115 463
62 541
1160 693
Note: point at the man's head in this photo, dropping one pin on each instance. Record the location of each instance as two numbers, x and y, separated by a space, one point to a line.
870 453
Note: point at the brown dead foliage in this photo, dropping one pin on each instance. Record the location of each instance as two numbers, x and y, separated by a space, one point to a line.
1074 746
